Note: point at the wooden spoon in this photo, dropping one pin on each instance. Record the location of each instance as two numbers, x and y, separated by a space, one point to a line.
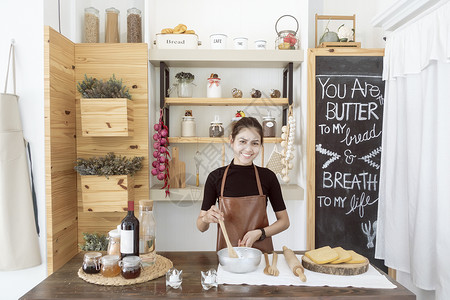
231 252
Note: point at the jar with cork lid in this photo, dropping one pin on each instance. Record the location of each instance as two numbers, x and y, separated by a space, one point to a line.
134 25
112 34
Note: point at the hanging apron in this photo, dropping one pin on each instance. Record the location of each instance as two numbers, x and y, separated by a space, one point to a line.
19 244
242 214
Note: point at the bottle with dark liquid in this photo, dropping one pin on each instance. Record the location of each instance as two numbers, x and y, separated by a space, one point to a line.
129 233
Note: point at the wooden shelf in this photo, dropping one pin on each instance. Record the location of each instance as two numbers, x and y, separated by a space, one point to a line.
227 58
194 193
216 140
227 101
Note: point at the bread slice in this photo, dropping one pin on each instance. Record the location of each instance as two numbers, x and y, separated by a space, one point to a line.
344 256
356 258
322 255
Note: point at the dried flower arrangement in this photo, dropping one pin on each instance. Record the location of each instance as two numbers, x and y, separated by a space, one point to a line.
94 88
110 164
182 76
94 242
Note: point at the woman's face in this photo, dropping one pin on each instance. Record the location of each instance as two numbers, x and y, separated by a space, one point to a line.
246 146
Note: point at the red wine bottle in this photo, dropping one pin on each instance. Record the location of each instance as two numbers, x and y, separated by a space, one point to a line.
129 233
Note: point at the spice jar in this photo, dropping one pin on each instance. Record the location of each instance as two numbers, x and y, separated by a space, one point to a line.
188 126
91 25
216 128
134 26
91 262
112 26
110 265
287 39
269 125
131 267
114 242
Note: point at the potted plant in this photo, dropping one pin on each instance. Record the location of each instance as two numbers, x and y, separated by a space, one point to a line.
107 182
106 107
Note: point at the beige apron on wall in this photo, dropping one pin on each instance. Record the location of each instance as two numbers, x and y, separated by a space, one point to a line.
19 244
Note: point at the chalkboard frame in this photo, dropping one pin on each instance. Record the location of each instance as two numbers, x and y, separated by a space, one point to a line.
313 53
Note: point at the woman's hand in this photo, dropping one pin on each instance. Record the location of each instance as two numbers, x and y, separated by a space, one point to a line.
250 238
212 215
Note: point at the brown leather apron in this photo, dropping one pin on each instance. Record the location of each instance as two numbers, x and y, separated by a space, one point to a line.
243 214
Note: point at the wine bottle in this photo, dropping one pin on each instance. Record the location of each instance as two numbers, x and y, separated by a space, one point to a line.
129 233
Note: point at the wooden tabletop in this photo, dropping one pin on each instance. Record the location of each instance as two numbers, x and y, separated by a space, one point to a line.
65 284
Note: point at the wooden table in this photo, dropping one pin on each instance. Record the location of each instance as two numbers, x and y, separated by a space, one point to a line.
65 284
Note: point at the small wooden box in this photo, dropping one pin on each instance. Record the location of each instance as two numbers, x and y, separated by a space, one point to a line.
101 194
106 117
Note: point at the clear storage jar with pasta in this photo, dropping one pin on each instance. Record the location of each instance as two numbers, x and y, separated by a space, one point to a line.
112 34
91 25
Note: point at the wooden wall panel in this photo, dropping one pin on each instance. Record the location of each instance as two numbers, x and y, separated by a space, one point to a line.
128 62
60 149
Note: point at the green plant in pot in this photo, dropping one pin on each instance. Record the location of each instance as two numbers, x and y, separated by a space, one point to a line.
109 165
328 36
94 88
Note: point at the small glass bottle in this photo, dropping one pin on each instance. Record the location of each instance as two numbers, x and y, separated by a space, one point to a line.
134 26
114 242
131 267
147 232
91 25
91 262
112 34
188 127
110 265
269 126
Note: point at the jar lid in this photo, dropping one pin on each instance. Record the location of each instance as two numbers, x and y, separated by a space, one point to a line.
240 38
216 123
110 259
286 32
91 10
134 10
188 118
216 34
114 233
146 205
130 261
92 255
268 118
260 41
112 10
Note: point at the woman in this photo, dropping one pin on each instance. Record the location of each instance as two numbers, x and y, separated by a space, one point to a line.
242 189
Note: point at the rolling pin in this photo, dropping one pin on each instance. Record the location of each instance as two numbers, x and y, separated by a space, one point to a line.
294 264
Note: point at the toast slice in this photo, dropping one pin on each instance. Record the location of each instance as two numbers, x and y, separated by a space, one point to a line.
356 258
344 256
322 255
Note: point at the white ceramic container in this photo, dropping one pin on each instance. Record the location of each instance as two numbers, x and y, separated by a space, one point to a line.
240 43
218 41
260 45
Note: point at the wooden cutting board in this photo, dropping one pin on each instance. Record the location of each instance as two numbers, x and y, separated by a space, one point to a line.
337 269
177 170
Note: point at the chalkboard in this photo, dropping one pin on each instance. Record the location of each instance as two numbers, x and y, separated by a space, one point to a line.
348 93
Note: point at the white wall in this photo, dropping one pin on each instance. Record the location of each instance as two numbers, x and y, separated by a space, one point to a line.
29 45
254 19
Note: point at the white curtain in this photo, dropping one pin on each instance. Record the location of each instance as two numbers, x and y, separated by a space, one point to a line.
414 206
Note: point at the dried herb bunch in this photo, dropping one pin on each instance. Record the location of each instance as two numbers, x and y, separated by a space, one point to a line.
94 242
110 164
94 88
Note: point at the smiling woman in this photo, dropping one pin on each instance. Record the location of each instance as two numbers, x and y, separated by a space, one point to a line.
241 190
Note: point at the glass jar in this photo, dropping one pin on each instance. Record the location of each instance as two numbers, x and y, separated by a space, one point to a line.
134 25
188 127
130 267
216 128
147 233
213 88
112 34
91 25
110 265
114 242
91 262
184 88
287 39
269 126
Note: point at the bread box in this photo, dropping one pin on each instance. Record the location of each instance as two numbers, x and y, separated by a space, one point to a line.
176 41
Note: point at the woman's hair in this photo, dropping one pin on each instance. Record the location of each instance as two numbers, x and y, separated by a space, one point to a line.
247 122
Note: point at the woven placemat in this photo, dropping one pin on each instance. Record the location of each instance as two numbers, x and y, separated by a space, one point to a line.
161 266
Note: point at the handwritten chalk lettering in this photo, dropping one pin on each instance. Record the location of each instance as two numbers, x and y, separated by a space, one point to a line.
324 129
333 90
325 201
359 204
373 90
351 111
349 157
367 230
335 129
359 138
361 181
338 128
